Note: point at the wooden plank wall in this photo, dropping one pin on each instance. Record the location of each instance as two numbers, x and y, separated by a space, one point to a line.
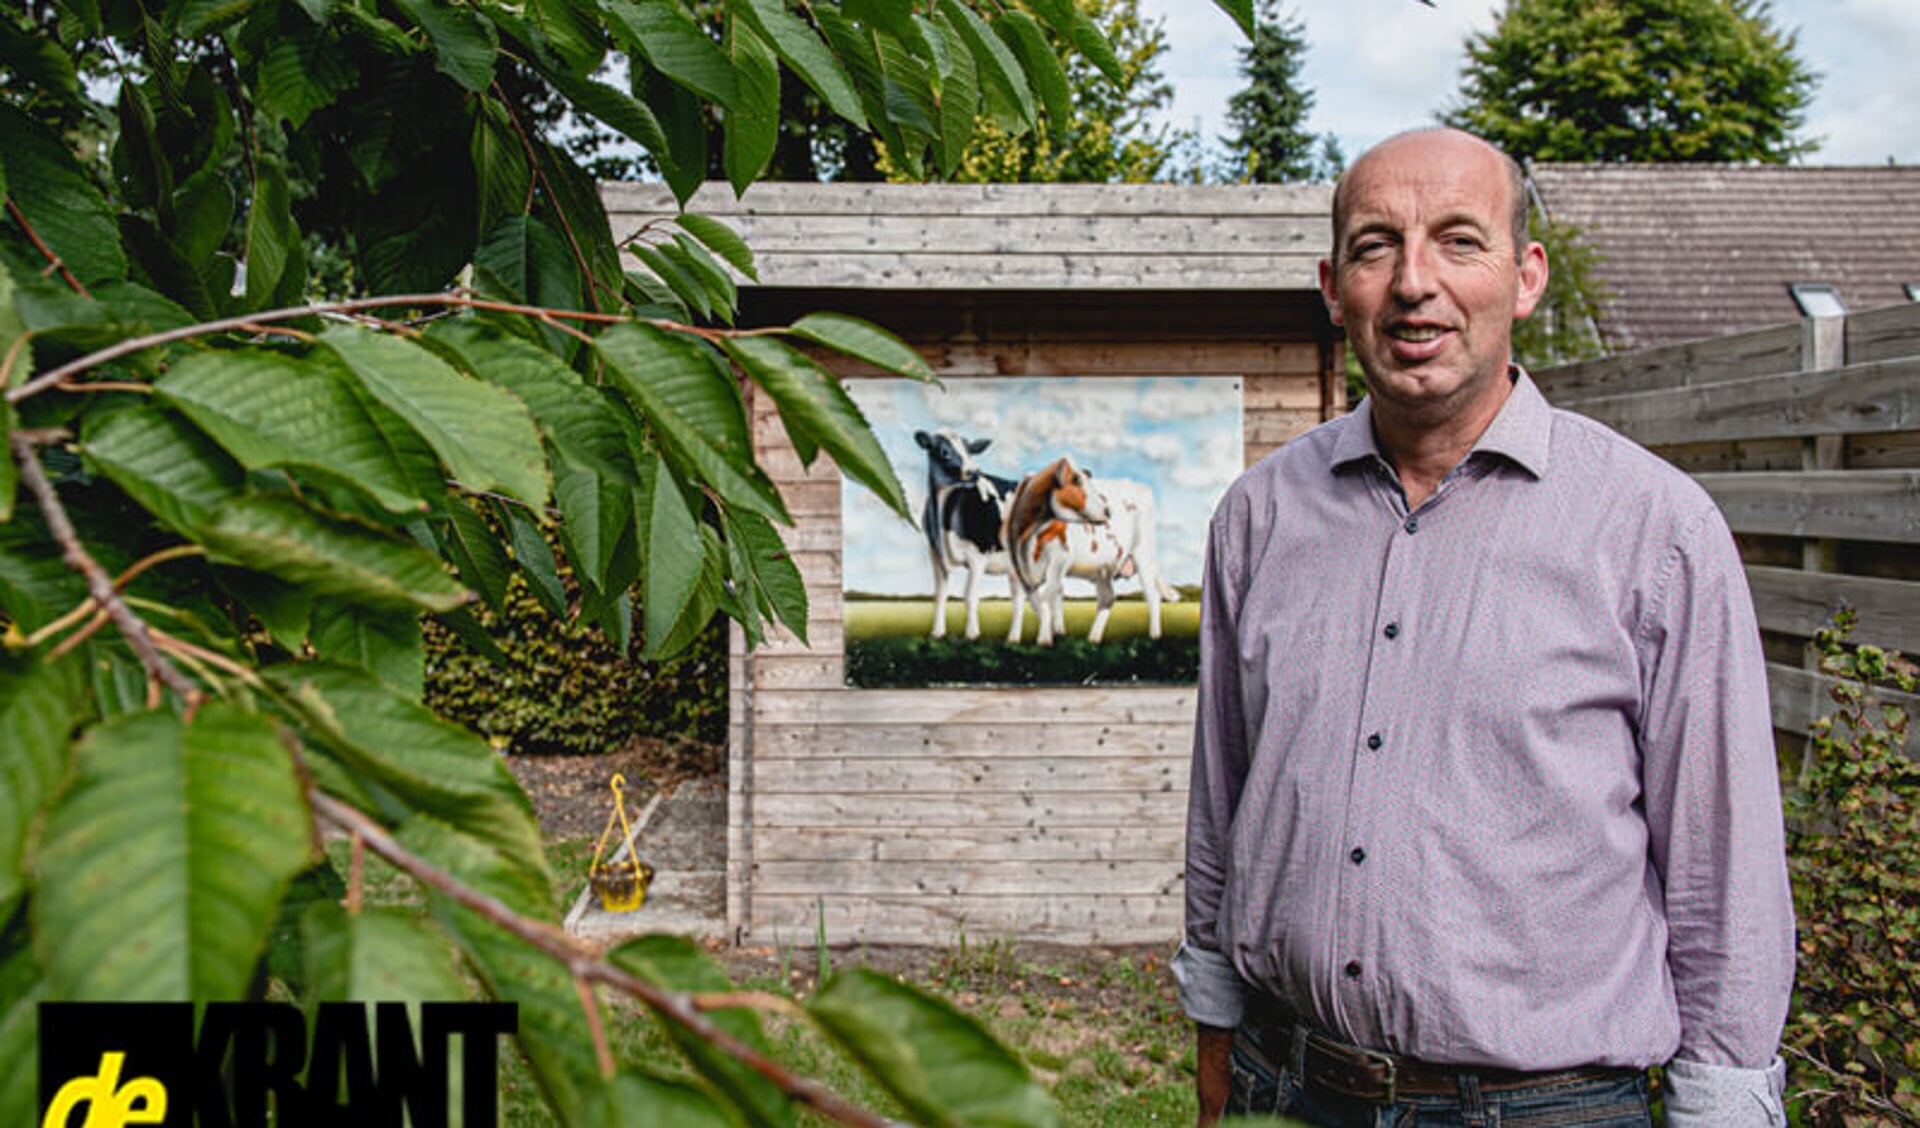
913 816
1808 436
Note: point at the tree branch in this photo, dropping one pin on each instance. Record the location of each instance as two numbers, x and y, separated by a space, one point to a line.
53 260
99 582
581 960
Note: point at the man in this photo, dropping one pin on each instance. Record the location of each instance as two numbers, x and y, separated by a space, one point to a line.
1484 817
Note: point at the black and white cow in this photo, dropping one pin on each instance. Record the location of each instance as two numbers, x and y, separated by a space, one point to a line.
961 519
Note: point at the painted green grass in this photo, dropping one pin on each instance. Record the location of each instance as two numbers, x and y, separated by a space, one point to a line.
909 618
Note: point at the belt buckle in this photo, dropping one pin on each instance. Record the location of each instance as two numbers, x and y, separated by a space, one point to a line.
1390 1070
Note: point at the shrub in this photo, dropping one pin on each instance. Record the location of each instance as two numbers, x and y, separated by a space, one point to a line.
568 690
1854 852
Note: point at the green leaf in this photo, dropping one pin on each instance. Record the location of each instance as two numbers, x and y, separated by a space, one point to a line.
575 199
12 328
36 586
597 512
694 258
615 108
1242 13
21 989
694 409
333 556
684 118
1002 70
163 463
464 43
679 964
9 469
301 74
1029 44
386 644
318 884
378 955
467 629
500 165
577 420
959 97
272 410
751 125
58 200
812 402
939 1063
535 557
683 284
190 833
863 340
641 1100
893 18
803 50
572 28
721 240
1088 40
276 257
477 552
436 768
483 434
661 32
674 553
763 566
39 707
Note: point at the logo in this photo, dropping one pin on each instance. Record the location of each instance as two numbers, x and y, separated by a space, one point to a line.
248 1065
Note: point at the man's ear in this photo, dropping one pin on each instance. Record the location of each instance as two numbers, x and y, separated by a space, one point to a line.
1330 290
1533 280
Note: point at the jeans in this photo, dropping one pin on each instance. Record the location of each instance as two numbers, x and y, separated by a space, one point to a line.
1266 1080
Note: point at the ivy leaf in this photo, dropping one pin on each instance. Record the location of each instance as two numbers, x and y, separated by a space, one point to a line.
164 464
39 707
694 409
662 33
192 831
812 402
863 340
483 434
386 644
286 539
464 43
679 964
939 1063
272 410
721 240
752 125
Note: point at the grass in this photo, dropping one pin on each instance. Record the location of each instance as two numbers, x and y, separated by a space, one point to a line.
1101 1030
907 618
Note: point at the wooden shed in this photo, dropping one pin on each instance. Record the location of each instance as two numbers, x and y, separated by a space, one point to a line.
1058 813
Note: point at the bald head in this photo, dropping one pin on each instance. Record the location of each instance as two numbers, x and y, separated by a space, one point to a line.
1446 141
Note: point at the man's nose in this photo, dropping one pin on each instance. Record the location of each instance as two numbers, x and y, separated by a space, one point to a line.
1413 273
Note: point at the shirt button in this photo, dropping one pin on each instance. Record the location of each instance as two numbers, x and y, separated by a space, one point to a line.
1392 630
1413 524
1358 855
1353 969
1374 742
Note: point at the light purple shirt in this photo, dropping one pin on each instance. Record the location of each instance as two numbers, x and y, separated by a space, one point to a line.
1491 783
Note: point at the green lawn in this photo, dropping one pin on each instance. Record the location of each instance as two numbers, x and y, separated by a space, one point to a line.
906 618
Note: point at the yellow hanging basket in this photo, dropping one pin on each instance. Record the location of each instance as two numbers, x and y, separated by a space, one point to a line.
620 883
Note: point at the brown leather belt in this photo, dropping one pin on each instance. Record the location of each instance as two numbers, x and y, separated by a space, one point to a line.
1382 1078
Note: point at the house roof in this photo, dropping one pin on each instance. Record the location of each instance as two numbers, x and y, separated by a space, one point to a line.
1032 237
1693 251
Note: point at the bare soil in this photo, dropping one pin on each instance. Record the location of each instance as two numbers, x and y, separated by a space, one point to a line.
570 793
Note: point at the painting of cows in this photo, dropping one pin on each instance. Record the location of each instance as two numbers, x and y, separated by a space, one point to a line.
1084 501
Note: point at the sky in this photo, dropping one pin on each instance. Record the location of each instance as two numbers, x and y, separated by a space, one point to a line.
1379 66
1181 437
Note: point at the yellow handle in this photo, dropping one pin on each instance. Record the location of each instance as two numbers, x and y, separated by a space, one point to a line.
618 785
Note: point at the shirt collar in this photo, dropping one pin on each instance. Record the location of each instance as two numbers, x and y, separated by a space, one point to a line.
1522 430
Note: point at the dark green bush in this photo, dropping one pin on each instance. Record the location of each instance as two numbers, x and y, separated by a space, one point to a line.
919 660
568 690
1854 850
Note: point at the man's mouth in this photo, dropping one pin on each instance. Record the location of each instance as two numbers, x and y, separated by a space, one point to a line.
1415 334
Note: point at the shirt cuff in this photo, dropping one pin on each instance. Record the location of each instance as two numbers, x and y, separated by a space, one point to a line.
1211 992
1724 1096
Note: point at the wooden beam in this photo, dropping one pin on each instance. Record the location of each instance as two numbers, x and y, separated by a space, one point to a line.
884 813
1762 352
1132 843
804 199
941 878
1022 768
1800 697
1090 706
1882 334
1054 917
1883 396
1799 603
1869 505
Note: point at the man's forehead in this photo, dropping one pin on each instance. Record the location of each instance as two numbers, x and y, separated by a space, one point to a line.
1408 184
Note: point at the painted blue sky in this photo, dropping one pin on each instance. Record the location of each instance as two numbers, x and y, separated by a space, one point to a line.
1180 436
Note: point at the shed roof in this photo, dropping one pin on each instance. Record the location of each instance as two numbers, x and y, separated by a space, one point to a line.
1694 251
1035 237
